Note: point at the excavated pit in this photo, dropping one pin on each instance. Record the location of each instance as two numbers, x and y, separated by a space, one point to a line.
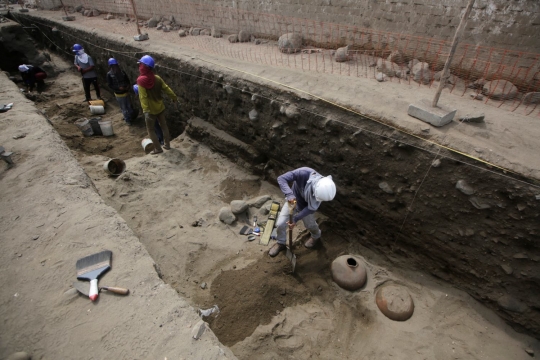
485 243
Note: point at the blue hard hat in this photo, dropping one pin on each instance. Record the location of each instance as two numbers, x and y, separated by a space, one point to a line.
77 47
148 61
112 61
136 89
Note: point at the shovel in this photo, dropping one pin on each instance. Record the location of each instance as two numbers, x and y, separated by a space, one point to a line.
290 255
83 289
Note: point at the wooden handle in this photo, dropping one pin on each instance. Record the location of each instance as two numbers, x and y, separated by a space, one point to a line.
116 290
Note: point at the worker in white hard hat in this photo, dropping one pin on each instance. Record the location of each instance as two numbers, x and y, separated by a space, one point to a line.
309 190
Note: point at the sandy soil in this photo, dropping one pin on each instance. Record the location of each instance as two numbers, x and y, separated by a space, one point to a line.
266 312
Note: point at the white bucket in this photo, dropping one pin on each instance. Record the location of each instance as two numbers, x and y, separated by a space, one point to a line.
106 127
97 109
84 126
114 166
147 145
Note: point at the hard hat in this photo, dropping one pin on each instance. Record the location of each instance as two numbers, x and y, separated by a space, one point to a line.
77 47
325 189
136 89
112 61
147 60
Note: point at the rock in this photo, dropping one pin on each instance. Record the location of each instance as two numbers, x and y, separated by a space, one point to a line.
87 13
412 63
21 355
290 43
95 12
531 98
166 29
79 8
520 256
421 73
109 17
258 41
265 209
387 67
206 32
166 23
238 206
226 215
152 23
233 38
478 84
436 163
259 201
380 77
479 203
500 90
507 269
509 303
476 118
35 237
244 36
386 188
342 54
396 56
465 188
228 89
215 32
203 285
528 351
182 33
198 330
292 112
253 115
159 27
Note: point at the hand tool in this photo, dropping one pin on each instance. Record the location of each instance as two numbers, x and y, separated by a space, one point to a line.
290 254
91 267
83 288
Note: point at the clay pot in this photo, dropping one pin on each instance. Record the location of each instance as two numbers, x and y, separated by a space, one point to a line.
349 272
395 302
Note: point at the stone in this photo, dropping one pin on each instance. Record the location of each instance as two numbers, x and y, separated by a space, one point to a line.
507 269
226 216
238 206
259 201
258 42
436 163
380 77
159 27
87 13
531 98
475 118
412 63
182 33
520 256
478 84
465 188
253 115
79 8
290 43
215 32
265 209
198 330
396 56
421 73
342 54
479 203
206 32
233 38
203 285
166 29
527 350
109 17
438 116
509 303
21 355
387 67
476 96
500 90
244 36
152 23
292 112
95 12
228 89
35 237
386 188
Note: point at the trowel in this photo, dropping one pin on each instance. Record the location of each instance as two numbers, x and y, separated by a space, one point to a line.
84 289
290 255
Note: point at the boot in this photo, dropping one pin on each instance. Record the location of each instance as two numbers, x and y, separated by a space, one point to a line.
311 243
276 249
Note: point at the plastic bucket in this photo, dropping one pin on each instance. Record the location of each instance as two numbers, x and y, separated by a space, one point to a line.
84 126
114 166
147 145
106 127
97 103
97 109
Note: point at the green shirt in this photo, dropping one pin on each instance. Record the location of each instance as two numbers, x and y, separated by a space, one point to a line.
151 99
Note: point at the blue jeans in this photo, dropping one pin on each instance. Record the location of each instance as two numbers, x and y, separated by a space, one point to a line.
283 218
125 105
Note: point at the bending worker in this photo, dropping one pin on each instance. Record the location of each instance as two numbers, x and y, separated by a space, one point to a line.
150 95
119 83
32 75
85 65
309 189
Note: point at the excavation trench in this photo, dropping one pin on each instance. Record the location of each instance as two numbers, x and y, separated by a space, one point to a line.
387 209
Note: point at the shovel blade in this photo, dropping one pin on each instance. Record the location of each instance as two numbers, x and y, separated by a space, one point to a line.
292 258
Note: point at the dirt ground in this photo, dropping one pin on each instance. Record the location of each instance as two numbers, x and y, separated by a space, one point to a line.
266 312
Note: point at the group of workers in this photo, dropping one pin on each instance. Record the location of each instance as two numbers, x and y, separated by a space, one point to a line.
304 188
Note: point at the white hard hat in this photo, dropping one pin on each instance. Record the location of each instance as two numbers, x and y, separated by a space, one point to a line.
325 189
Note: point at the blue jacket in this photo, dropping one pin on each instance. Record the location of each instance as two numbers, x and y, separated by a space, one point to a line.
302 180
